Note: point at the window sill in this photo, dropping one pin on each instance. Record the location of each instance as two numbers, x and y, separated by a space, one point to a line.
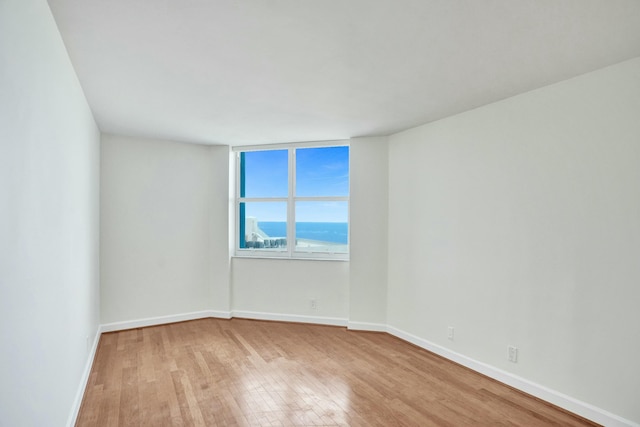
282 258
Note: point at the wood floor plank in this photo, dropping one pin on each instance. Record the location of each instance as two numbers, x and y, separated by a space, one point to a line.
238 372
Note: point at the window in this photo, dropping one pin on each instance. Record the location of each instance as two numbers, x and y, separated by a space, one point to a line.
293 202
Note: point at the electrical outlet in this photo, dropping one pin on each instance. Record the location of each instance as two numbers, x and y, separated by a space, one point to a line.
513 354
87 342
450 333
314 304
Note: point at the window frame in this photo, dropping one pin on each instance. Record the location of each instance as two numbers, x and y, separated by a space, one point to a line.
290 251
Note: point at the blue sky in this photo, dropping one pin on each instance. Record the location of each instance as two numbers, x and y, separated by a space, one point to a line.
319 172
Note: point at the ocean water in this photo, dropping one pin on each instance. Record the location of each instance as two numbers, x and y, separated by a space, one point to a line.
336 232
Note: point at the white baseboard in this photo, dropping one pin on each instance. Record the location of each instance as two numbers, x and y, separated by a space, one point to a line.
569 403
161 320
318 320
84 380
367 326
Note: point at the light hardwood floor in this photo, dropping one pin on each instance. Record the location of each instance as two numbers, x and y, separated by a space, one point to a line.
237 372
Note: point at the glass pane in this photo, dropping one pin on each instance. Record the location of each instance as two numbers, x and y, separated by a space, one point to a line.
264 173
263 225
322 171
322 227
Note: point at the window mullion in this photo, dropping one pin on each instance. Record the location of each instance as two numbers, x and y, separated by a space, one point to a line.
263 199
321 199
291 207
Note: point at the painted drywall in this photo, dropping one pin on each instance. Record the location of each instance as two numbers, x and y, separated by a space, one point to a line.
285 288
164 215
368 264
221 201
519 223
49 171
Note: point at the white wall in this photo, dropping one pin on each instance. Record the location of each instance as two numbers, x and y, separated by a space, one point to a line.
221 204
49 169
164 215
368 264
165 242
519 223
283 289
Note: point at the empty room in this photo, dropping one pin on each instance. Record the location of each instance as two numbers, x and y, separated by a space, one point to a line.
305 212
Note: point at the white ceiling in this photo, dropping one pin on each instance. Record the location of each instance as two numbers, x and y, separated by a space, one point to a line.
258 71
